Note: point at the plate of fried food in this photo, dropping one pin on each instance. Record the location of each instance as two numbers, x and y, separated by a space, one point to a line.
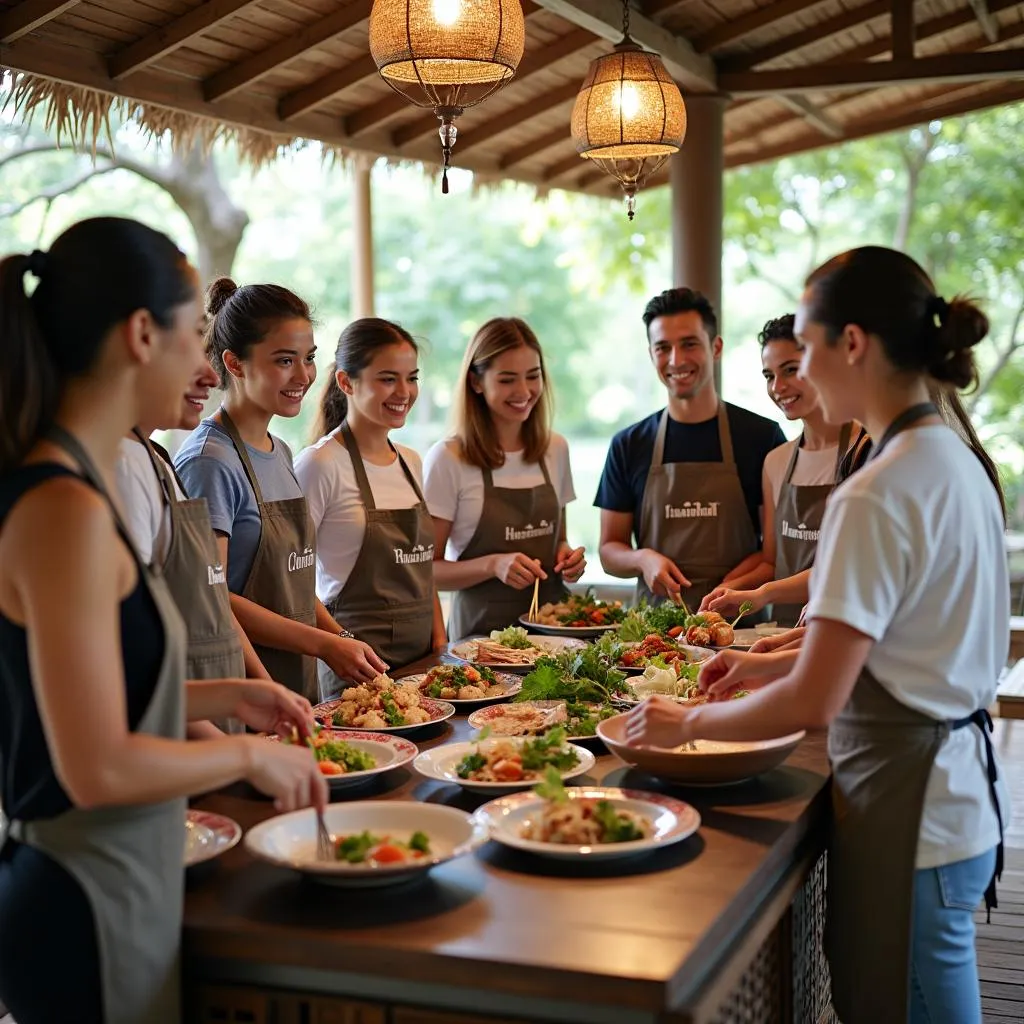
382 705
465 685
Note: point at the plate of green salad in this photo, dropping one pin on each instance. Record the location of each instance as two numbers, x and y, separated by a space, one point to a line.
350 757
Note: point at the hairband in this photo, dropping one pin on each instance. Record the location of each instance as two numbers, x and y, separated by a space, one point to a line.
36 263
938 309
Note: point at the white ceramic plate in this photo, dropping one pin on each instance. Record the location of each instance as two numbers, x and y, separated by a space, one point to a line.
510 686
289 840
439 711
580 632
487 716
208 835
388 751
465 650
672 821
748 637
440 764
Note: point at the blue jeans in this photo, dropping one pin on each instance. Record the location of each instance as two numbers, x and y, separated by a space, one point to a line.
944 968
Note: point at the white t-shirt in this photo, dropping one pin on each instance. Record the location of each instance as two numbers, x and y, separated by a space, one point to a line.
455 490
147 519
325 473
912 554
812 467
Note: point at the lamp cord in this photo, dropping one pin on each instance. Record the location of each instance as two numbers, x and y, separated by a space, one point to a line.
625 18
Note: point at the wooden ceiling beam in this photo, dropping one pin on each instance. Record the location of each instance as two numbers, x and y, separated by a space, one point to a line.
29 15
812 114
603 18
540 60
173 35
236 77
563 167
843 76
985 20
905 117
902 14
533 147
736 28
311 96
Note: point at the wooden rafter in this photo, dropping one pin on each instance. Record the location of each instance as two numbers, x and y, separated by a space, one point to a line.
982 12
692 70
902 29
812 114
238 76
311 96
563 167
540 60
736 28
533 147
29 15
822 77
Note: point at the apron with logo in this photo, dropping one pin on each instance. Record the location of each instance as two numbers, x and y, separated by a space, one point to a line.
695 514
526 519
882 754
128 860
198 583
388 598
798 518
282 577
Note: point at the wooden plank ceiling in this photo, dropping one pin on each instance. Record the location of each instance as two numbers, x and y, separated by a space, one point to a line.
798 73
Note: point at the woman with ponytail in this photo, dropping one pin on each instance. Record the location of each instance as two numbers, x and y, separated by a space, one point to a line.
260 341
93 696
908 629
375 541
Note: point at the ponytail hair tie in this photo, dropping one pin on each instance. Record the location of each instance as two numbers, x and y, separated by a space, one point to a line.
938 309
36 264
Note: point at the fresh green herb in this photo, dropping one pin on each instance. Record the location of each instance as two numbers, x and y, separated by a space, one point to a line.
355 848
551 788
392 713
549 749
471 763
514 637
419 841
337 750
617 827
434 690
744 609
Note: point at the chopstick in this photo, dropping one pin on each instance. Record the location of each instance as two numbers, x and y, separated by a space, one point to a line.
531 615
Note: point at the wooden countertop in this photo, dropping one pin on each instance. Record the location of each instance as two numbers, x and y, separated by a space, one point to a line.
645 936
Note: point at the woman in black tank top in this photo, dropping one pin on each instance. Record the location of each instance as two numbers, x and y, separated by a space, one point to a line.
93 768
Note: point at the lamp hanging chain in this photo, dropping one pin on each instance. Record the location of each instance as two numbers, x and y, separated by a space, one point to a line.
625 18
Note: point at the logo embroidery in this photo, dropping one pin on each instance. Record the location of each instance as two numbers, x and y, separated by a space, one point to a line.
529 531
418 554
303 561
215 575
693 510
800 532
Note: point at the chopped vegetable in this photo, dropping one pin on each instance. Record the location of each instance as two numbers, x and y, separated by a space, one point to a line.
366 848
514 636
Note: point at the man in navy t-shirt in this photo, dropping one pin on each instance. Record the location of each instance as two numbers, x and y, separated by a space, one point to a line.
684 484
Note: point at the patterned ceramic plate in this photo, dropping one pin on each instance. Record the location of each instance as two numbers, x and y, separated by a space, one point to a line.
438 710
208 835
387 751
466 650
507 686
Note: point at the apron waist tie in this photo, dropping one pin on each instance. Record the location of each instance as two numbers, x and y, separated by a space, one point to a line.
983 720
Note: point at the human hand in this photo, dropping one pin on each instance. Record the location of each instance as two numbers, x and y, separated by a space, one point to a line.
517 570
352 659
658 722
570 562
730 671
727 602
270 707
287 772
663 577
767 644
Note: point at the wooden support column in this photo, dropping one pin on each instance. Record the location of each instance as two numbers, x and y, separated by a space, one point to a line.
696 179
362 236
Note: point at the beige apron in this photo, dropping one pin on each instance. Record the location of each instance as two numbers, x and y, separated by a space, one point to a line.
388 598
882 754
798 518
695 513
526 519
198 582
282 577
129 860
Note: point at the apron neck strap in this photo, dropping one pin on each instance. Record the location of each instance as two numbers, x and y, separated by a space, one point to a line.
658 455
488 473
841 446
243 453
159 467
905 421
725 435
362 480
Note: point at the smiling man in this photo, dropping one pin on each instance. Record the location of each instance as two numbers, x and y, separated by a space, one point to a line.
680 494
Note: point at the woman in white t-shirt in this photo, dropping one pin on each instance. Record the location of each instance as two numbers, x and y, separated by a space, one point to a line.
908 630
498 488
375 539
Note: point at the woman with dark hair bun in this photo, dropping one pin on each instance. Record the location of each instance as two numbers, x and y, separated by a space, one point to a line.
260 341
908 631
93 696
375 539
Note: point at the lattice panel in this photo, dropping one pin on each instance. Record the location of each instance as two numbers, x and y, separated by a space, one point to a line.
812 996
757 999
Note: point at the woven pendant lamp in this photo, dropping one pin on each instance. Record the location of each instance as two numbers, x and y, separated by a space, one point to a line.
629 116
447 54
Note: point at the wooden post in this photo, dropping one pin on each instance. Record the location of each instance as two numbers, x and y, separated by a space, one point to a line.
362 237
696 177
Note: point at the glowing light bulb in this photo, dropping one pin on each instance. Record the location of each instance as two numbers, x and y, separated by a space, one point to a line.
446 12
627 100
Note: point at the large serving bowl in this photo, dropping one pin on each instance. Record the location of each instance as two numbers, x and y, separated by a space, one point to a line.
712 763
289 840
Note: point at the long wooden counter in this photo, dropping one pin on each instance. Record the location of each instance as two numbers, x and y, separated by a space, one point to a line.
725 926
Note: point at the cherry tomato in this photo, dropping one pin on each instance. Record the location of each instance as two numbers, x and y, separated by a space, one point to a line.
330 768
387 853
508 770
